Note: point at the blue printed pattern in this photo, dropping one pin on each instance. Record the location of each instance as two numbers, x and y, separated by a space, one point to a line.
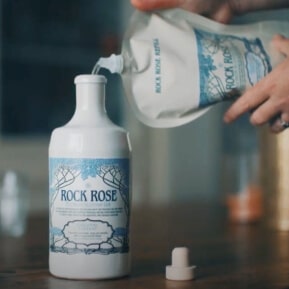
115 175
228 64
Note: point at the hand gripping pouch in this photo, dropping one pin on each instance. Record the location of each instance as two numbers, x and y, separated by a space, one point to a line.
175 64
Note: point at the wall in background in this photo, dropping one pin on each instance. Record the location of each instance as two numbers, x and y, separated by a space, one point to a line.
189 156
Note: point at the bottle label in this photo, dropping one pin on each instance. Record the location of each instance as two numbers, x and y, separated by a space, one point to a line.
89 205
228 64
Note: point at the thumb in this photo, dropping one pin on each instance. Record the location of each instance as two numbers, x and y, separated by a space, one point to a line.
147 5
281 43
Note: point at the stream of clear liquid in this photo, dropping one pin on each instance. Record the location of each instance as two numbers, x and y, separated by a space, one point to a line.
96 68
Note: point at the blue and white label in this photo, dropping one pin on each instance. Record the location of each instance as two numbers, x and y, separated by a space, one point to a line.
228 64
89 205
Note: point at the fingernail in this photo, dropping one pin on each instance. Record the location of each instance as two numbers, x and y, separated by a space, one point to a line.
226 119
277 37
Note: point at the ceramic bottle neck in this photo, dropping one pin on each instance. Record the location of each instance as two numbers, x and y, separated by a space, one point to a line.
90 102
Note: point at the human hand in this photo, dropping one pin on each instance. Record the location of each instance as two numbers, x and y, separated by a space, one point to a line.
269 98
218 10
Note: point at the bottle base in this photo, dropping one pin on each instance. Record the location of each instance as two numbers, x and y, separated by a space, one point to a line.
99 267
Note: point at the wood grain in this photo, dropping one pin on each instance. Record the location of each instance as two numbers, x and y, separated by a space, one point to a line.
227 256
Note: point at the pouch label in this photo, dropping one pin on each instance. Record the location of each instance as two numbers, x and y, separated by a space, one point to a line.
228 64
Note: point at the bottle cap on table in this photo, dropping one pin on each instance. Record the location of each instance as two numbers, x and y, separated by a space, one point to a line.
180 270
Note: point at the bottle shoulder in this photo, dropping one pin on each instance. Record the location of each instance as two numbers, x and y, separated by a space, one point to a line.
89 141
71 127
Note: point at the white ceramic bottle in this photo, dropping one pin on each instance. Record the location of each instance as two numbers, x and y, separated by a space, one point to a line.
89 190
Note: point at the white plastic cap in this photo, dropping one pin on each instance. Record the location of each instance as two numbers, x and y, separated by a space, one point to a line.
180 270
113 63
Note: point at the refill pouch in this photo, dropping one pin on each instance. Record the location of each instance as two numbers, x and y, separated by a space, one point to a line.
175 64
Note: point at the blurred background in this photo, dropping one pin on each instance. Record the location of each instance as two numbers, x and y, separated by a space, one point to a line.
44 45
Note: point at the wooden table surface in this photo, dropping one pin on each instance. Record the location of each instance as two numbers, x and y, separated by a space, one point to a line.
226 255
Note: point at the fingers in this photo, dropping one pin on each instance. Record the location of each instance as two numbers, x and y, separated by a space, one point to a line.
280 124
223 14
147 5
251 99
219 10
269 97
264 112
281 44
